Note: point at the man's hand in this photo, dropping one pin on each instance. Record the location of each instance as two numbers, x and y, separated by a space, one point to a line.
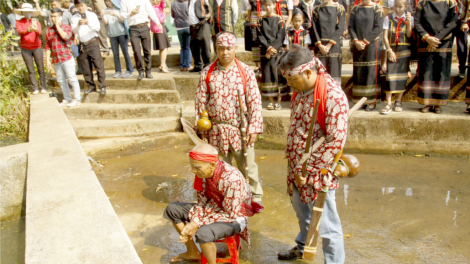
49 65
252 139
76 41
135 11
323 49
189 230
83 22
58 22
299 180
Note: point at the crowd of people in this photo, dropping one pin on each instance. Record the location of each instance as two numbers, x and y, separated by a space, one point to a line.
385 38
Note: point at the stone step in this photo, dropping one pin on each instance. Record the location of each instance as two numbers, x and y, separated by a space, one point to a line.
129 97
103 128
122 111
159 83
102 148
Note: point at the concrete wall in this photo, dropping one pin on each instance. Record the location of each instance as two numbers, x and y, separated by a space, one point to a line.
13 163
69 218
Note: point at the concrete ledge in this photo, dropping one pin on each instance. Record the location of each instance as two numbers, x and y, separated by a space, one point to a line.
13 164
69 217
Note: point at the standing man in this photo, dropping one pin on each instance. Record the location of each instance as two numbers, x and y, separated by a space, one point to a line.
99 6
86 26
69 6
66 15
137 13
225 18
217 94
199 28
58 40
307 77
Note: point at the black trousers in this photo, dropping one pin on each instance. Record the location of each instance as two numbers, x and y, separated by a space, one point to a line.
141 35
462 48
37 55
91 54
178 212
200 44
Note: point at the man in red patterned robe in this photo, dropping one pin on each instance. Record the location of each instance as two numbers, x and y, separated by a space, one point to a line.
224 203
307 77
217 94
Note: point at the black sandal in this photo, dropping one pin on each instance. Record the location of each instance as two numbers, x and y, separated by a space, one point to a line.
386 110
426 109
398 106
437 109
369 108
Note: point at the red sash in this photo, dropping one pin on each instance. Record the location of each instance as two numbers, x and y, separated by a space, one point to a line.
320 92
213 193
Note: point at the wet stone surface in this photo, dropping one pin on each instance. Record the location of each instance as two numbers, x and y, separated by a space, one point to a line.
12 235
399 209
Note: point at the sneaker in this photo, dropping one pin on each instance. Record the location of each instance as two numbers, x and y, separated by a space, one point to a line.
277 107
35 92
43 91
117 75
127 74
64 102
270 106
74 103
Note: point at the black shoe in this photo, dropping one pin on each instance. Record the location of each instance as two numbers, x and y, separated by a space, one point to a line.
103 91
293 254
148 75
195 70
90 90
141 76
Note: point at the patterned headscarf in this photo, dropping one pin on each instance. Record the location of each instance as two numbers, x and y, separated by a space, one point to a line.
301 68
226 40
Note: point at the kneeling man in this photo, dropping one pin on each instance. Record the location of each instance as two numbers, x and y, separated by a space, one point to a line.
224 203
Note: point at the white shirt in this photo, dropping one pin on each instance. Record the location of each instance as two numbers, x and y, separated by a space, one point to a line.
146 10
244 6
307 39
86 32
290 4
193 20
395 17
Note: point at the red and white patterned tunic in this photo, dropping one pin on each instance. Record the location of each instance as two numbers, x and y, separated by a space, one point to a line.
336 114
221 103
234 188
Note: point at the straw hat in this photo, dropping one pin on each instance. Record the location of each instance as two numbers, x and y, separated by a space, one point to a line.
27 7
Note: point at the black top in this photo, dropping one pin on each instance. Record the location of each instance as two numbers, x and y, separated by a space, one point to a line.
329 22
435 18
366 22
180 13
271 32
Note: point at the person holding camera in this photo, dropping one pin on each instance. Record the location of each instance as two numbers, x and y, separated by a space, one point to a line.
58 41
85 26
30 31
137 13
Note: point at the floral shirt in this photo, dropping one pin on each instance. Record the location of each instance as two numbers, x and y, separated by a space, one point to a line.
234 188
221 103
336 115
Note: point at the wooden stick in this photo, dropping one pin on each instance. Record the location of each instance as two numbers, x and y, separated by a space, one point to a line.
310 248
309 137
243 135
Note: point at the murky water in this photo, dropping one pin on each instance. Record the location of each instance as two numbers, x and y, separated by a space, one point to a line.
12 237
400 209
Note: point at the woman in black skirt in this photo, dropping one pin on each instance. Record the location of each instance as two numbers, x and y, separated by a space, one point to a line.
161 41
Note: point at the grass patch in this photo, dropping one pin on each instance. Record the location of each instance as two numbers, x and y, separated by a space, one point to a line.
14 94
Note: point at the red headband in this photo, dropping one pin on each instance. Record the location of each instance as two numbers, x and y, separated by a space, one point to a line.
203 156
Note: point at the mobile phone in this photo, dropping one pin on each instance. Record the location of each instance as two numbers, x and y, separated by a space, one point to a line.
83 15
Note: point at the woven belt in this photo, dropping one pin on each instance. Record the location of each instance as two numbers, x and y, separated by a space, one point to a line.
139 25
225 122
90 41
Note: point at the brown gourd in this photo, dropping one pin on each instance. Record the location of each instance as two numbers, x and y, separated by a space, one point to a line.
204 124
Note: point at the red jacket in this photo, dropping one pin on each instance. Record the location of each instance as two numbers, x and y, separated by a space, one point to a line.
29 40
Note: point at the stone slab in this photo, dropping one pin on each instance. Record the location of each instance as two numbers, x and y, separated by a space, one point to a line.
121 111
129 97
102 128
123 146
69 217
13 164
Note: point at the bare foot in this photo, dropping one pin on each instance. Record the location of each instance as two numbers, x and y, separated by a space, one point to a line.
186 257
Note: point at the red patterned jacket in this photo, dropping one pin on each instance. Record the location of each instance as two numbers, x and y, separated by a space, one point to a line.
233 185
337 108
221 103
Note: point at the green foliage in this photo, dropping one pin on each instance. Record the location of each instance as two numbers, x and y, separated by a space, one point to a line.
14 96
6 6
